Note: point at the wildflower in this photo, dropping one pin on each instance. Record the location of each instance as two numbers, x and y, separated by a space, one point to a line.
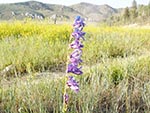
74 69
74 59
79 23
73 84
76 54
77 34
76 44
66 98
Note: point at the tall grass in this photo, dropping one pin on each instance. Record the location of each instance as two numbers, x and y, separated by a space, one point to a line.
100 90
116 69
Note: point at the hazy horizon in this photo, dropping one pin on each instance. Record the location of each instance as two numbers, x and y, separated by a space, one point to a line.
112 3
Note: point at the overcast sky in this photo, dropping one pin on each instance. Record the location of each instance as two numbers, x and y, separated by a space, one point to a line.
113 3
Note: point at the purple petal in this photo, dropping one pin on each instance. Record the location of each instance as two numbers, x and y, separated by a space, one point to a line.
79 23
66 98
77 34
75 61
73 84
77 18
76 44
74 69
76 54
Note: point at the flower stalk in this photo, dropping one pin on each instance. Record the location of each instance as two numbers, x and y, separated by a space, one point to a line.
73 65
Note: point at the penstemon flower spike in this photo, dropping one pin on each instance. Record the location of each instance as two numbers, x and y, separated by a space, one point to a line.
74 61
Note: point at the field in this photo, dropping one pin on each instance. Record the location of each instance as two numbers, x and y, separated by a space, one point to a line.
116 66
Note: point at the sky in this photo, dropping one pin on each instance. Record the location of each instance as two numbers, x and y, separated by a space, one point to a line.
113 3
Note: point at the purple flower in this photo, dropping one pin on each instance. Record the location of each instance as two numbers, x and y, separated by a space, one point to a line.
75 61
66 98
73 84
79 23
74 69
76 44
78 26
76 54
75 58
77 34
78 18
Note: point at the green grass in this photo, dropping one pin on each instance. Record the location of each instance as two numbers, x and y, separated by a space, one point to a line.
116 72
99 92
35 52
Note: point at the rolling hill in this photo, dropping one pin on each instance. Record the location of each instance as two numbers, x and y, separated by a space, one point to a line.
39 10
95 12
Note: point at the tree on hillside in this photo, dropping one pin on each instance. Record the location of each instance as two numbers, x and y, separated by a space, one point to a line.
149 9
134 4
126 14
133 11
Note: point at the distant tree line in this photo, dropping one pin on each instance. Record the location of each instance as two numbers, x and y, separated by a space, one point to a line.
134 14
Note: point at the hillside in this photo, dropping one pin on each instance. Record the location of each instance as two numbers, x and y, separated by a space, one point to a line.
38 10
95 12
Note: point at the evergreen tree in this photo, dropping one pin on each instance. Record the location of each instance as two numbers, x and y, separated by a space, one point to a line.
126 14
134 12
149 9
134 4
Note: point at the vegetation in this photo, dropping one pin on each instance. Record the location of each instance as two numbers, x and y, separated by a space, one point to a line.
116 69
139 14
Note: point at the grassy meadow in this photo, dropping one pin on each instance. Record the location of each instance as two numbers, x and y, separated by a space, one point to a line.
116 66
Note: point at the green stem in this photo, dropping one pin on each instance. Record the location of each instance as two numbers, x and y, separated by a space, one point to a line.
64 109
